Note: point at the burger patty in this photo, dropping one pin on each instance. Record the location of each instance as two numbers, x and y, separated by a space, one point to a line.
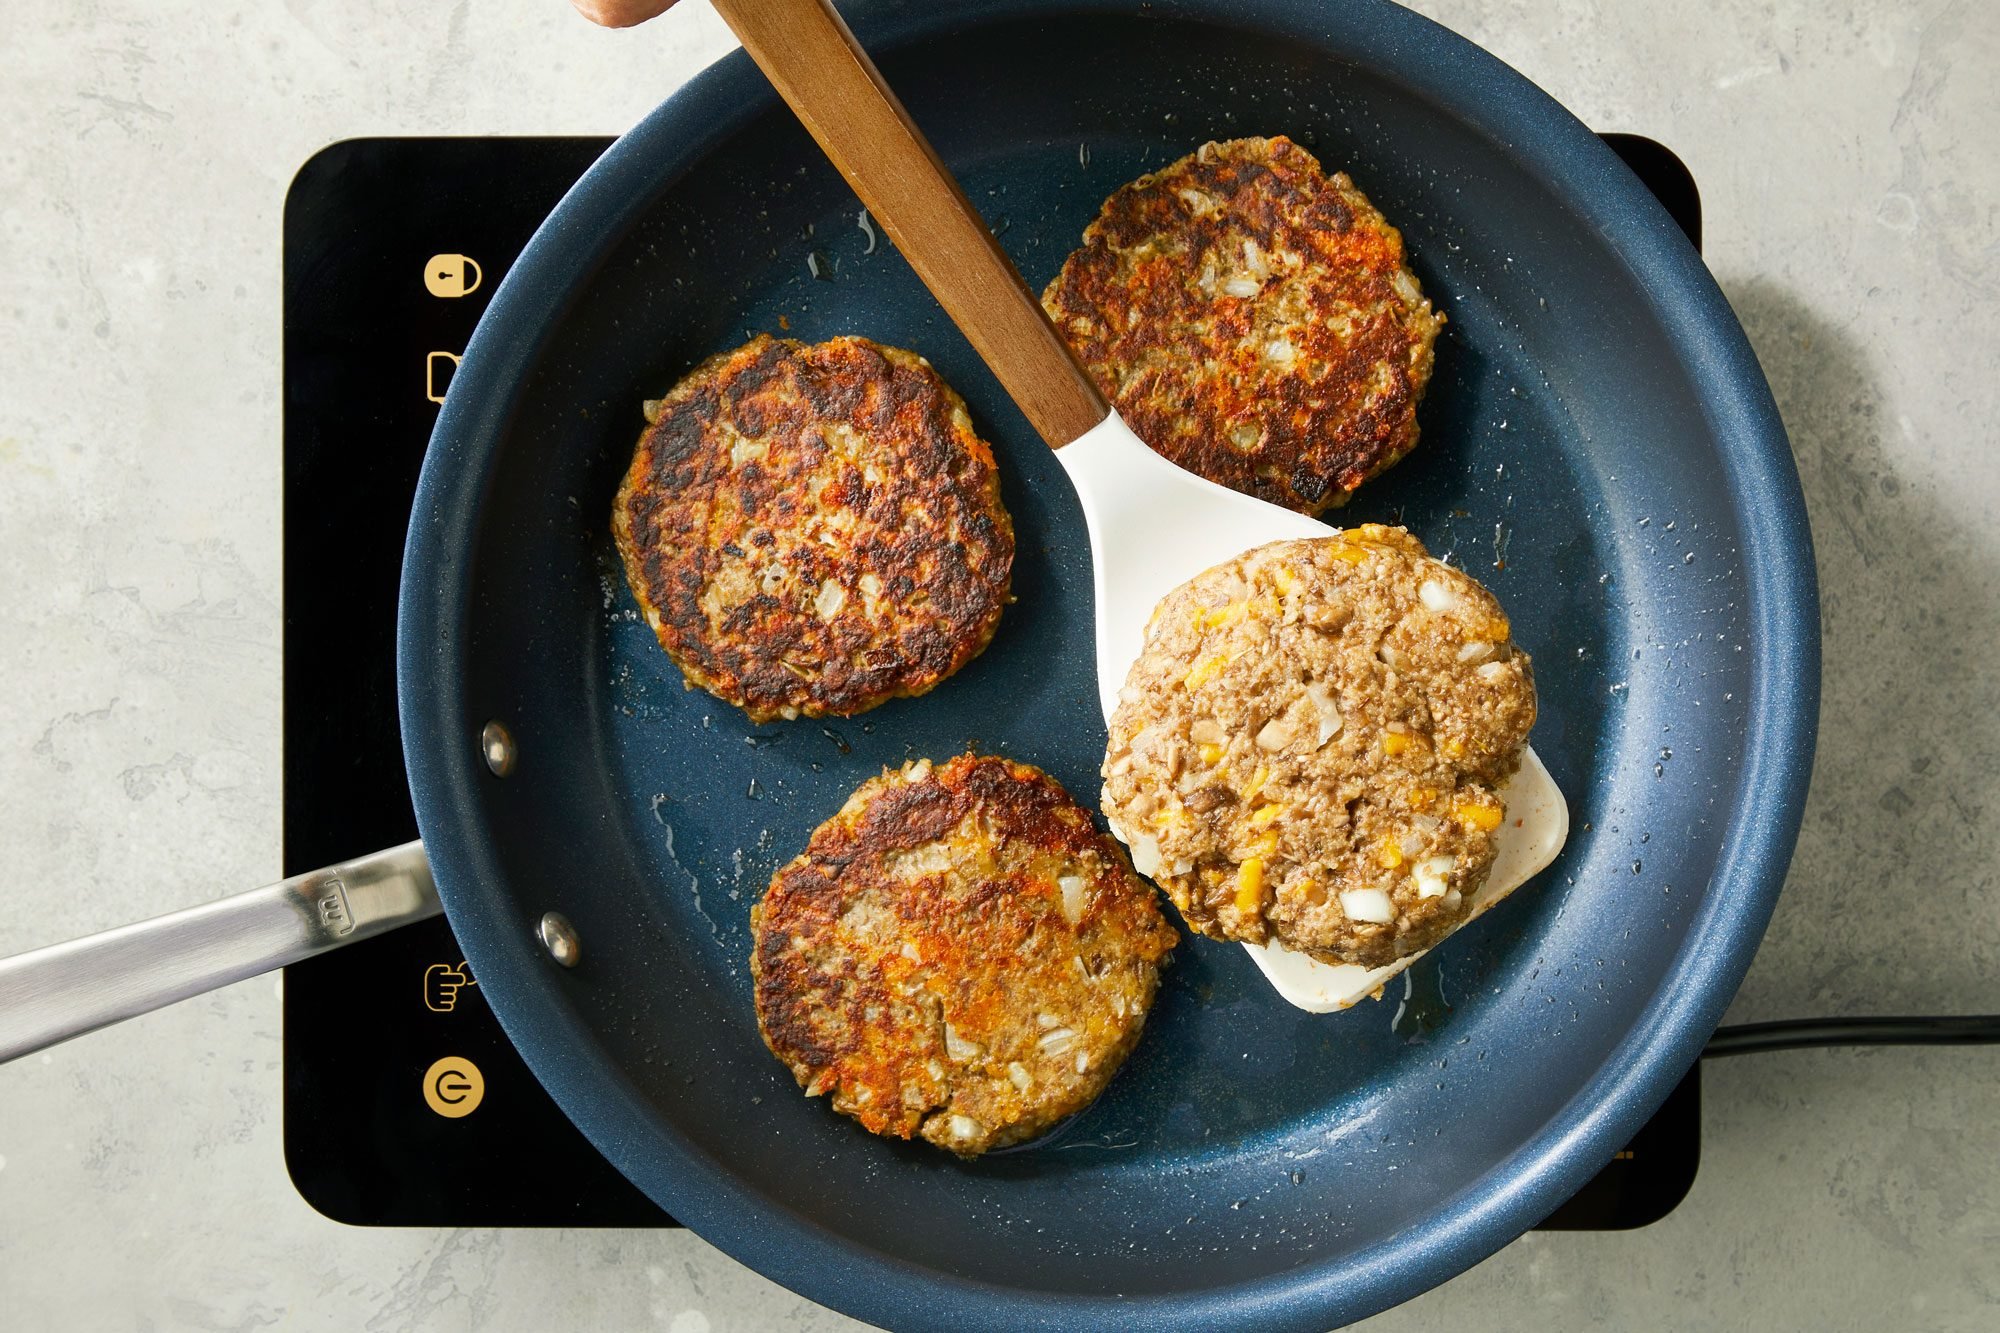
1252 320
812 530
959 954
1310 745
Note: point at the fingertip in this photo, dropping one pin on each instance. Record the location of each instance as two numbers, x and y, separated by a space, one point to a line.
620 13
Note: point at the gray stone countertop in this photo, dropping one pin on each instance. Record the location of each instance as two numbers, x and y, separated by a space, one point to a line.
1846 155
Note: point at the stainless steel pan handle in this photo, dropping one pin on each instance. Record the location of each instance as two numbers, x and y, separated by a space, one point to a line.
63 991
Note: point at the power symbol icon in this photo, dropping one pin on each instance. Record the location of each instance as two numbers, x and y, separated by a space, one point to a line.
454 1087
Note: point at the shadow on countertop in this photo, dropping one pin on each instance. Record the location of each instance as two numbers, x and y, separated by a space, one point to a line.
1891 903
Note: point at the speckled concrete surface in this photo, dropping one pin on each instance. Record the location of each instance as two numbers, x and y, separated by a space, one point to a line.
1846 155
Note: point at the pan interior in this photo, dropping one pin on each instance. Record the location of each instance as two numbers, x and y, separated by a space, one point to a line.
1565 461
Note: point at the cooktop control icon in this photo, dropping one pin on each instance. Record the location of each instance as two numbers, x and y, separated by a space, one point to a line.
451 276
442 983
454 1087
434 388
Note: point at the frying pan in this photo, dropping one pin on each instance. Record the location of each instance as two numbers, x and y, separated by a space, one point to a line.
1599 447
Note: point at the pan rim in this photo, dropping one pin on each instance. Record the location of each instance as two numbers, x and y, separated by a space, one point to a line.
1768 797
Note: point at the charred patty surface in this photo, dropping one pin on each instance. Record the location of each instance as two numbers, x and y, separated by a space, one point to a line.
814 529
1252 319
1310 745
959 955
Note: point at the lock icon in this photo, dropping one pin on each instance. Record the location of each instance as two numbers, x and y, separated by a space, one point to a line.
447 275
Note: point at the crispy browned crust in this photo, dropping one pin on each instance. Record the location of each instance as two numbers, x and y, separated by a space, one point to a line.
920 963
1297 386
815 529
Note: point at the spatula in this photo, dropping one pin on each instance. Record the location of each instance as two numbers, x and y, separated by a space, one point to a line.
1152 525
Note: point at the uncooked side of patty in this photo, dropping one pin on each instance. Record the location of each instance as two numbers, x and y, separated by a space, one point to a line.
959 955
1309 746
1252 319
814 529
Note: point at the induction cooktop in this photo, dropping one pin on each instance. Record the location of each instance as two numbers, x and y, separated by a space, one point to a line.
404 1104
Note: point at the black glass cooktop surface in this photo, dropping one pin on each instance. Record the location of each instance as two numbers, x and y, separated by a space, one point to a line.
404 1104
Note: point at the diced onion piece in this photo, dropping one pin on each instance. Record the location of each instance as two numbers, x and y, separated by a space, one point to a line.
1056 1040
1207 732
1491 671
1371 905
1430 876
1274 735
919 771
1199 204
965 1127
1017 1074
1474 650
1072 897
1146 855
1435 596
1330 720
958 1048
831 598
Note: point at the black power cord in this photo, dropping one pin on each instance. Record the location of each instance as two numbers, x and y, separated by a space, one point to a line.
1956 1030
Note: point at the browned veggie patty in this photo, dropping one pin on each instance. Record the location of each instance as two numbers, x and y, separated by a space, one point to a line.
959 954
1252 319
814 529
1309 745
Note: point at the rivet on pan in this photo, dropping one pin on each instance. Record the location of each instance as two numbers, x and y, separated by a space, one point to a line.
497 744
559 938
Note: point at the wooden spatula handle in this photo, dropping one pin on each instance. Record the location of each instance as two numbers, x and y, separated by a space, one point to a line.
813 61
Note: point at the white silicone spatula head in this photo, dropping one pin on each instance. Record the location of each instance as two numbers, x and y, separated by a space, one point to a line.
1154 526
